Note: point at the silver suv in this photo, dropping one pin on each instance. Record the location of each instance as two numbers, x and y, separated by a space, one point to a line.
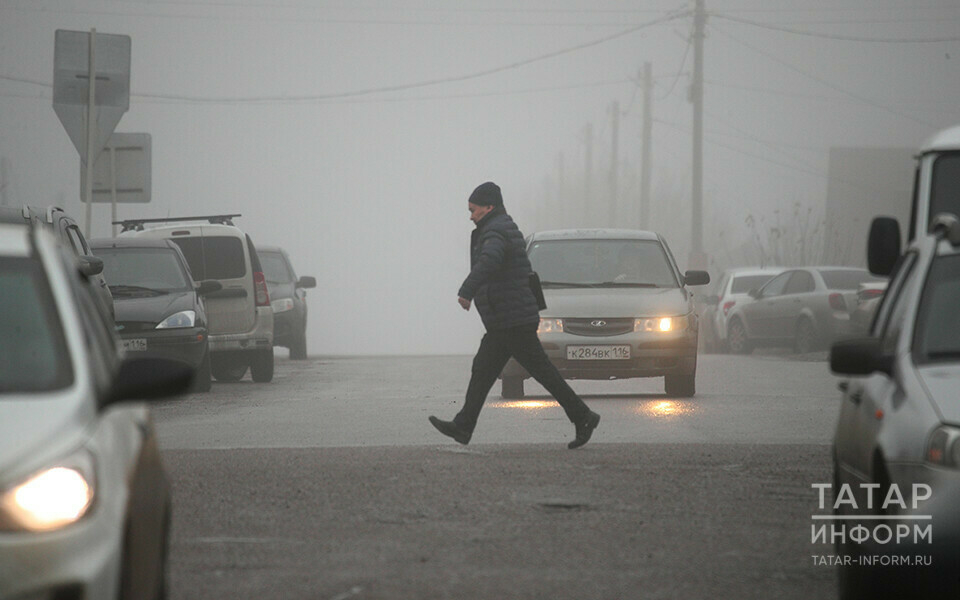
239 316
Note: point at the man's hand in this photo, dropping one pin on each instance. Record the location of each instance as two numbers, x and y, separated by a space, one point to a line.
464 303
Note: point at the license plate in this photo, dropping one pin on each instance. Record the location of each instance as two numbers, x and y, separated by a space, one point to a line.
598 352
135 345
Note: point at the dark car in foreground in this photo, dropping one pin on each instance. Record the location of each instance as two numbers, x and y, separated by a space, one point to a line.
804 309
898 433
159 312
617 307
84 498
288 297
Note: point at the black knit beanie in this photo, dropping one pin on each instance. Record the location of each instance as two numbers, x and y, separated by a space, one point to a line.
487 194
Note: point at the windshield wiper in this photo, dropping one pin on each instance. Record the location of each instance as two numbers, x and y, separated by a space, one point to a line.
626 284
568 284
133 289
943 354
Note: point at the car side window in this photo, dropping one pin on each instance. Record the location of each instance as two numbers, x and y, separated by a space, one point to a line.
76 241
800 282
100 339
776 285
889 319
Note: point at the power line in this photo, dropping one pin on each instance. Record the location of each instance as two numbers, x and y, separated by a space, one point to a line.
848 38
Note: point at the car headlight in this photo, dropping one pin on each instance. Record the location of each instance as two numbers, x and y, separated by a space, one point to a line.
943 447
550 326
184 318
282 305
50 499
661 324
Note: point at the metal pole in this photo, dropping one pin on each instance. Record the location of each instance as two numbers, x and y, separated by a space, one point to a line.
113 189
91 102
645 153
614 161
588 174
697 259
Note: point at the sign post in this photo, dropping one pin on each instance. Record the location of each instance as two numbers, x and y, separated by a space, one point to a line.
90 98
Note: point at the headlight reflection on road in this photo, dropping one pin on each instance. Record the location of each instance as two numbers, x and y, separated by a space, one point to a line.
665 409
525 404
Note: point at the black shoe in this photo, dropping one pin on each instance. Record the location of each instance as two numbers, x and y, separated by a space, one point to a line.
585 430
451 429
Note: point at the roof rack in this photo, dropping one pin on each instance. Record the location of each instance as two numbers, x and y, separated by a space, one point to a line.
137 224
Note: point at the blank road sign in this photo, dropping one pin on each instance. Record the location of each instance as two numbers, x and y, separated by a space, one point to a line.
132 162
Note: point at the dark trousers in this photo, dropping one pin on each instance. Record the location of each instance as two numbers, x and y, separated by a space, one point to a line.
521 343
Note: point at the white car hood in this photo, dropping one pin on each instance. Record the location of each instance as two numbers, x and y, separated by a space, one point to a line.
33 427
943 383
611 303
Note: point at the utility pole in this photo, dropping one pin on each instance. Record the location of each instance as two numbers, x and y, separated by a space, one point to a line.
614 161
698 259
645 152
588 169
563 208
4 181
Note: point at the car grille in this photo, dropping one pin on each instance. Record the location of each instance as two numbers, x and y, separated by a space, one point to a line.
597 327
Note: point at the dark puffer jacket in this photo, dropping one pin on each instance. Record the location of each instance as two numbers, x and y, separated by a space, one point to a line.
499 281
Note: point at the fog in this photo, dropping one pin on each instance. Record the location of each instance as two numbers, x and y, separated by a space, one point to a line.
353 135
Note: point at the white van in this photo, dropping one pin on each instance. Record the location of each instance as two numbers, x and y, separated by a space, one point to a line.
240 319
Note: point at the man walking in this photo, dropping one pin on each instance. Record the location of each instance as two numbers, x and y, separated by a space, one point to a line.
499 283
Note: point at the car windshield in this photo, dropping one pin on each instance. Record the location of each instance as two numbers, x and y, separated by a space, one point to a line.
846 279
275 268
602 263
33 355
937 336
744 283
213 257
143 270
945 187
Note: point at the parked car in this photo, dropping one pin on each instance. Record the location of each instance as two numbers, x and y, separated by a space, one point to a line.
733 287
898 425
288 298
617 307
159 310
84 499
869 296
239 316
804 308
66 229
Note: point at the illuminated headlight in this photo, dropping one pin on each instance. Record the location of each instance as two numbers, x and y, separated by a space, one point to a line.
943 448
181 319
550 326
661 324
282 305
49 499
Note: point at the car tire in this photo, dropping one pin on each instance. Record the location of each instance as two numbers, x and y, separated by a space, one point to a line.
261 366
227 368
737 340
512 388
201 380
805 337
684 386
298 347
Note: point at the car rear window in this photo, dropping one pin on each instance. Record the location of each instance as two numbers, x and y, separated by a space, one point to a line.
275 267
847 279
214 257
33 355
744 283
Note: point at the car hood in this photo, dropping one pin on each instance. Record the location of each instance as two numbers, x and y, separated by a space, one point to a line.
32 427
941 382
611 303
152 309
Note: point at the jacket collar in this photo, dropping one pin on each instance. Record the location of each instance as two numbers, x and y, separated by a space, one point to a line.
497 210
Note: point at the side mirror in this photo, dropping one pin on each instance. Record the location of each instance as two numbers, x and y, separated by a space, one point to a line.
90 265
883 245
150 378
754 293
307 282
209 286
696 278
859 356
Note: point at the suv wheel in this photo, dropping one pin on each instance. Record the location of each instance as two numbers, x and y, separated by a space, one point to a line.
512 388
227 367
261 366
806 337
298 347
684 386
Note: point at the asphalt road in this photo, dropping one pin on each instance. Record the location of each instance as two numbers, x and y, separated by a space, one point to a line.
330 484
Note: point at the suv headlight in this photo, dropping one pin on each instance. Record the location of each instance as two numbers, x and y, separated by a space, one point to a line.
51 498
184 318
661 324
550 326
282 305
943 447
